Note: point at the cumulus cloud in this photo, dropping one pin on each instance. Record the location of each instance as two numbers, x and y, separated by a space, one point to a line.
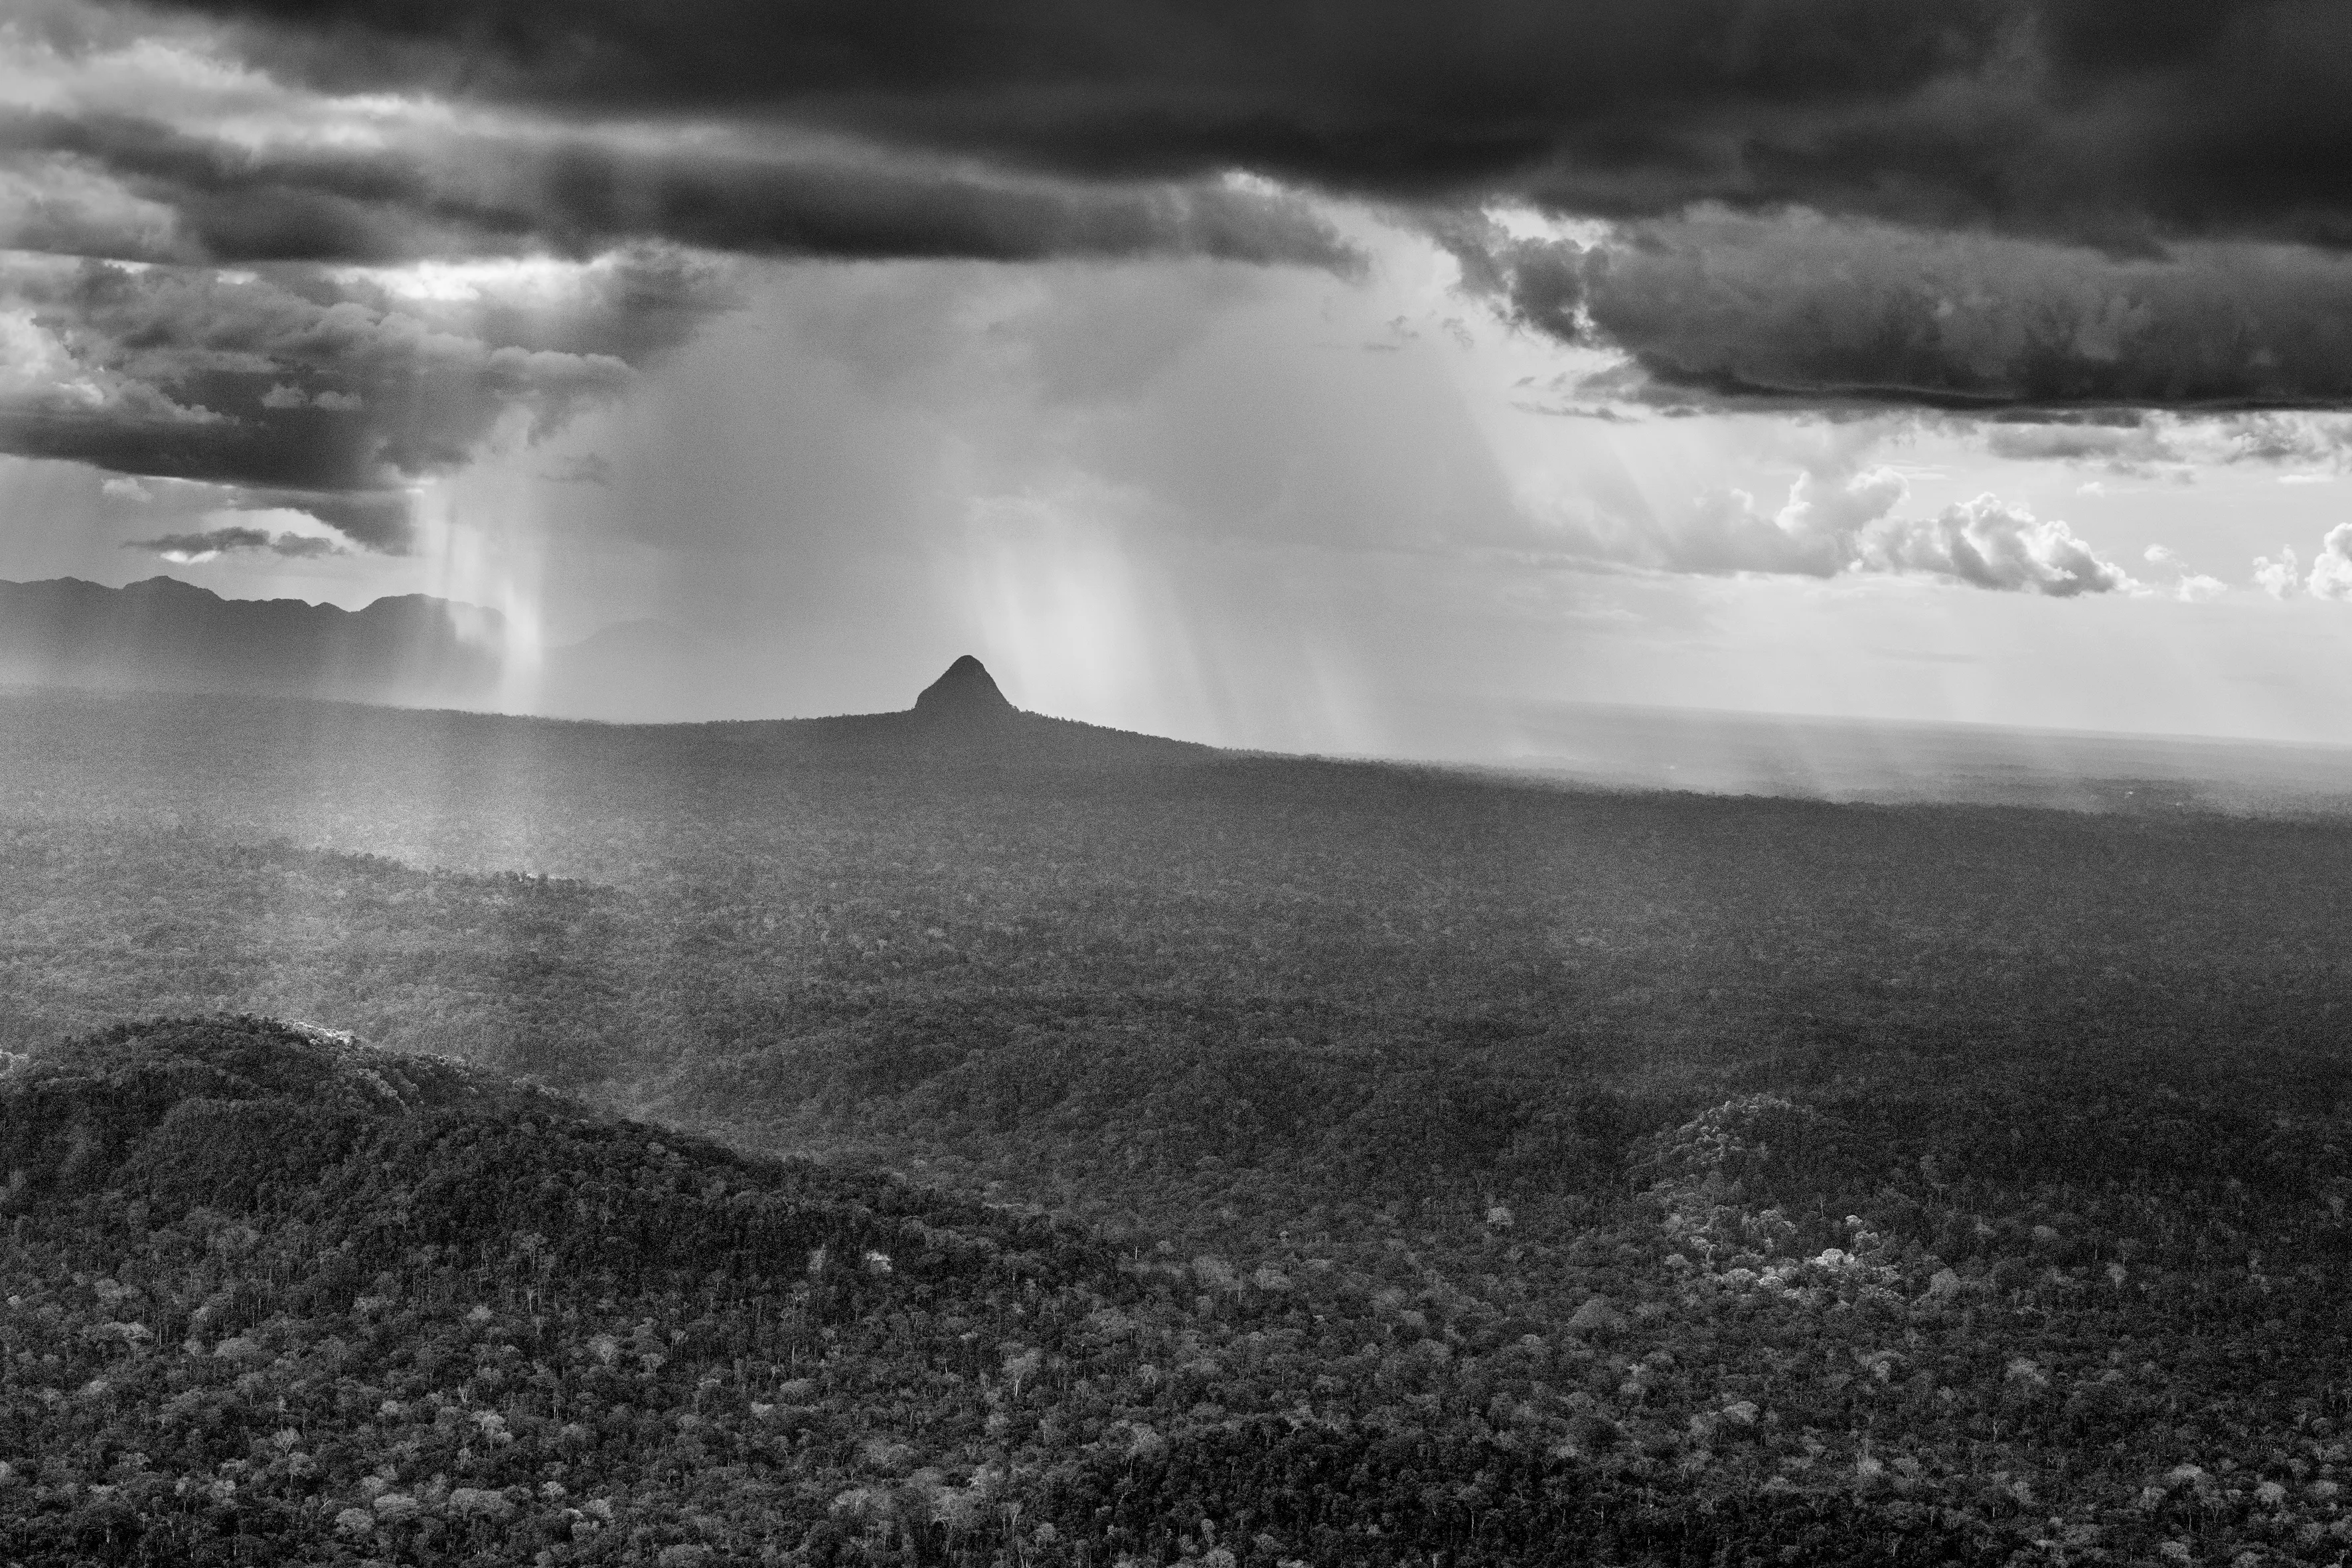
2331 571
2196 588
2330 578
332 392
1815 534
1991 544
194 547
2281 578
1836 523
2190 587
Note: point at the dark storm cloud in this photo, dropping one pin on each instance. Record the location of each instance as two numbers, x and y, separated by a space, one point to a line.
1977 204
308 384
439 196
2110 117
229 202
233 539
869 209
1800 309
321 392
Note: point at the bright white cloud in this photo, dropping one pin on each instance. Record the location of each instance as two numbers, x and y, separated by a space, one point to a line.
1833 525
1813 534
2196 588
2282 578
2331 573
2190 587
2331 569
1990 543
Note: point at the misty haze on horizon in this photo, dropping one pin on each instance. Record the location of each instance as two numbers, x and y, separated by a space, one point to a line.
162 636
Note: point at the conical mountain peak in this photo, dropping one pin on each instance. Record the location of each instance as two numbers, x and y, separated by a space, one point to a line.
967 687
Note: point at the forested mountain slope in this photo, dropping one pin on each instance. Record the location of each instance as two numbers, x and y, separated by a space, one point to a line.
275 1297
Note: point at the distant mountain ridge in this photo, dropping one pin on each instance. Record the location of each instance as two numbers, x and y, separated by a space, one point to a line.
166 635
414 651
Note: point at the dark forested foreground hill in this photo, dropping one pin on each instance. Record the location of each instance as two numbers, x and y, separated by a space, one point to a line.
276 1298
1470 1168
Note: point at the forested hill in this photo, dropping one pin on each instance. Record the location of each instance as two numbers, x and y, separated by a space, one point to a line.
274 1296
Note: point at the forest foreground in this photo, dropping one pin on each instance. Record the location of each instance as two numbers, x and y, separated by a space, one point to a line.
1425 1164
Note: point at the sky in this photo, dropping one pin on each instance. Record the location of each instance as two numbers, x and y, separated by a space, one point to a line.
1369 379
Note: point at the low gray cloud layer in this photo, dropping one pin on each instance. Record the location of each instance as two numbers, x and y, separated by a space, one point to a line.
513 188
232 539
1797 308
